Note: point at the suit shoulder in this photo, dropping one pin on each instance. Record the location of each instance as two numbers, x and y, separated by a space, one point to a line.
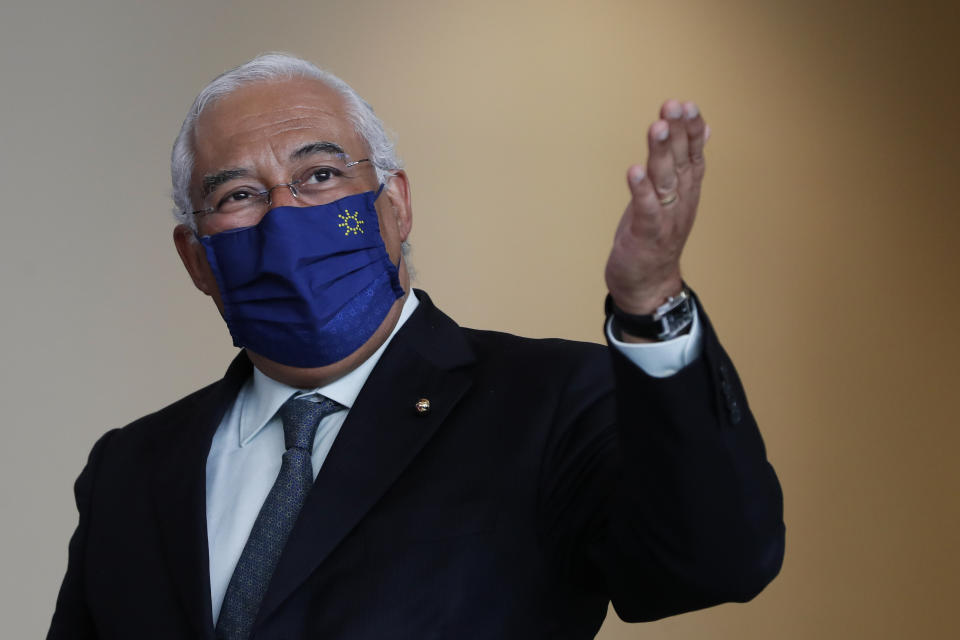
166 420
490 341
545 356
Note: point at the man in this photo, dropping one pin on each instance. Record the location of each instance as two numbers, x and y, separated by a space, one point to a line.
368 469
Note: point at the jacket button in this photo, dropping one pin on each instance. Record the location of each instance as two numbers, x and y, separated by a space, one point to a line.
734 412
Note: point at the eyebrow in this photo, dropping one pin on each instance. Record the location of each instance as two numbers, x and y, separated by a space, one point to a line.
214 180
322 146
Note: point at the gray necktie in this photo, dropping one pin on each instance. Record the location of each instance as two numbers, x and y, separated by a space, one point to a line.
272 527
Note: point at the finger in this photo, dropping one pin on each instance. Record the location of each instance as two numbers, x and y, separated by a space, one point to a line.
661 169
696 137
672 112
645 202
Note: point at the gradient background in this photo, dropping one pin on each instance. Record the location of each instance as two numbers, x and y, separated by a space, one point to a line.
825 250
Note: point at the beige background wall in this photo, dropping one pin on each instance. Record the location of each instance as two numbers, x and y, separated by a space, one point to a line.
825 250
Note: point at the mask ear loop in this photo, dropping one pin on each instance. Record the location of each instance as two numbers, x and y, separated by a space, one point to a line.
375 196
390 174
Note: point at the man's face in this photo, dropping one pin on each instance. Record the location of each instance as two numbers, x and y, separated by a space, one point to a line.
272 133
266 134
263 135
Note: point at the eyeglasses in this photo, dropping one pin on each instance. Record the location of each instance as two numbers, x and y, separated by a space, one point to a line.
320 183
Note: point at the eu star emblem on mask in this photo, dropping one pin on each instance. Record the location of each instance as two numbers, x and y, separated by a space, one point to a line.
351 222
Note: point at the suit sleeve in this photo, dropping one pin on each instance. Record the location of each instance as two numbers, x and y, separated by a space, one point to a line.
71 618
659 494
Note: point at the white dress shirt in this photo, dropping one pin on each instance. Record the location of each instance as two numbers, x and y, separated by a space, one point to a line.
248 446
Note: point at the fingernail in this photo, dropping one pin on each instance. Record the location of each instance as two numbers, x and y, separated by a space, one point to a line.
706 133
638 175
662 133
674 111
691 110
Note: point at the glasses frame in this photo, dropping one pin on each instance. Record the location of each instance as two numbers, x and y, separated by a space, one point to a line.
267 193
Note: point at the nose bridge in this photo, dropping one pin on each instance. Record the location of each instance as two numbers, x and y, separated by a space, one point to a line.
288 196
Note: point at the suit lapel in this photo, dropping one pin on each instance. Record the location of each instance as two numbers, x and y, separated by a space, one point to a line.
179 493
380 437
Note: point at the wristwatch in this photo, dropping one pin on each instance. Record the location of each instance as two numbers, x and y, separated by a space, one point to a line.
669 320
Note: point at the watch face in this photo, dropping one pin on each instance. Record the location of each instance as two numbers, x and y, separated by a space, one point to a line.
677 319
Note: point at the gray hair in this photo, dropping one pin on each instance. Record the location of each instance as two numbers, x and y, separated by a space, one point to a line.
264 68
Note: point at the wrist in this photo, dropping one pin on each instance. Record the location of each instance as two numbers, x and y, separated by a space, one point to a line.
647 301
670 319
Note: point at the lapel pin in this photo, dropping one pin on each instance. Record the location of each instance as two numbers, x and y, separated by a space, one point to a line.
422 406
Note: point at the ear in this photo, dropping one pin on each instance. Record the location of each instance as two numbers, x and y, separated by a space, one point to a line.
397 191
194 259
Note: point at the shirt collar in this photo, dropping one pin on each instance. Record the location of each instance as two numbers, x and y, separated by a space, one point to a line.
265 395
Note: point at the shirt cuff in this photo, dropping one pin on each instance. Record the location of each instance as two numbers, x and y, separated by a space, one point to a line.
661 359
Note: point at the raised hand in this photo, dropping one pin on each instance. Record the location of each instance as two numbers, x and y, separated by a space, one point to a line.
643 269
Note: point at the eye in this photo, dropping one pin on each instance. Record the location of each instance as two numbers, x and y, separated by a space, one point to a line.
318 175
237 197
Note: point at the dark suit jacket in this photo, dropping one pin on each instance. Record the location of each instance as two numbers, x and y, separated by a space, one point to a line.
548 478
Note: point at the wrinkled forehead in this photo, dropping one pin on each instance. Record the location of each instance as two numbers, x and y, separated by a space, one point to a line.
262 123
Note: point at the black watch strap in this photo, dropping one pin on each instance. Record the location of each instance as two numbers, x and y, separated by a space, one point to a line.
671 319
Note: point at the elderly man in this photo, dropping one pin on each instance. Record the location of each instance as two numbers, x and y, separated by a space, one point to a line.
368 469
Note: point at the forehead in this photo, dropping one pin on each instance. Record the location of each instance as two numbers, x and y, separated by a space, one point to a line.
257 126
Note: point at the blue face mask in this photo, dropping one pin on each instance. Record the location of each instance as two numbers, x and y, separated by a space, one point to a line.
306 286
